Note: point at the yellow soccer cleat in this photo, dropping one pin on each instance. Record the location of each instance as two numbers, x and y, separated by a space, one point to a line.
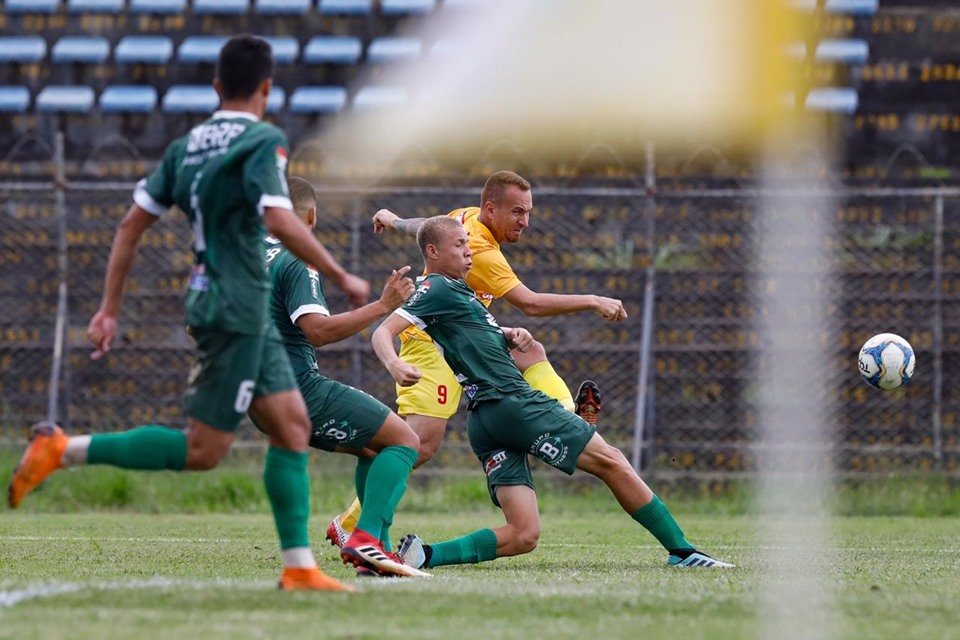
41 458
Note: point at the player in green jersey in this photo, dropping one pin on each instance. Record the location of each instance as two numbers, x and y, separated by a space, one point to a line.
343 418
228 175
506 418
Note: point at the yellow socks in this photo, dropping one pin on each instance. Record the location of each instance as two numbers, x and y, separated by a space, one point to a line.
349 518
542 377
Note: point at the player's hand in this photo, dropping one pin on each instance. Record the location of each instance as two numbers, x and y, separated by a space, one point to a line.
383 219
611 309
518 338
405 375
356 288
397 289
101 331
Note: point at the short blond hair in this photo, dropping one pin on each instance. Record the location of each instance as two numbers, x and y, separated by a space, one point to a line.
302 194
496 185
434 230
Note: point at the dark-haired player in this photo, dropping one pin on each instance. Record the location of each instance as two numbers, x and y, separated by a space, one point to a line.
228 175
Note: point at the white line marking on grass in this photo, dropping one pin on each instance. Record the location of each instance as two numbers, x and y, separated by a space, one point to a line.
100 538
13 597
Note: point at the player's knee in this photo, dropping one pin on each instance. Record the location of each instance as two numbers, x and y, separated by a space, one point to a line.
203 459
409 439
526 539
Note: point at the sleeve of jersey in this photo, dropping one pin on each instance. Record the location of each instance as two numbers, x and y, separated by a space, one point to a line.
303 293
265 174
492 273
431 299
155 192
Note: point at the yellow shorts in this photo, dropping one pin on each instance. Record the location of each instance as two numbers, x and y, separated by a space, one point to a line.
437 394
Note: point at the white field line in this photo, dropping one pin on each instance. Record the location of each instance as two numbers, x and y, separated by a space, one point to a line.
13 597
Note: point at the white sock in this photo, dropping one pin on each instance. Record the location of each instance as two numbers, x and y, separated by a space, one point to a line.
299 557
76 451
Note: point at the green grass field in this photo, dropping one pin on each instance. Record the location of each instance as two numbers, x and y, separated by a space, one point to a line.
130 570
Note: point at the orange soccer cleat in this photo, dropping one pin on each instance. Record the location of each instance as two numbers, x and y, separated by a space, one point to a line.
41 458
310 579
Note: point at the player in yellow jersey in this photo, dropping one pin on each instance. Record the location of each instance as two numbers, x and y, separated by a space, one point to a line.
503 214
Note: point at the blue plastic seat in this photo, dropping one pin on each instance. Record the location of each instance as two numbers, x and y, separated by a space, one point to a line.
282 7
318 100
14 99
444 47
346 7
95 6
285 48
847 51
833 100
143 49
276 100
73 99
23 49
128 98
31 6
333 50
158 6
228 7
201 48
393 49
379 98
854 7
185 98
92 50
403 7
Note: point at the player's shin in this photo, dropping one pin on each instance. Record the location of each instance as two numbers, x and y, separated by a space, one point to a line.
150 447
479 546
656 518
288 488
542 377
384 487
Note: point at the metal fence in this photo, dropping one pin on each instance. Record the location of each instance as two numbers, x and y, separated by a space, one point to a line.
691 253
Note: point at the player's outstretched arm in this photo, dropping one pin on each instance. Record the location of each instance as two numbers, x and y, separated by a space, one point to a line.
321 329
535 304
103 326
296 236
404 374
386 219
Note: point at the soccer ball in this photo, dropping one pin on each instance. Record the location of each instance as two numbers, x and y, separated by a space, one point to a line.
886 361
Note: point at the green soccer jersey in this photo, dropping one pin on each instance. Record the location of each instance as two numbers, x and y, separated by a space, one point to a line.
297 290
467 335
223 174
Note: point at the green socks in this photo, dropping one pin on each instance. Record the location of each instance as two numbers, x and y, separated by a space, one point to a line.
149 447
384 485
288 488
657 519
478 546
360 477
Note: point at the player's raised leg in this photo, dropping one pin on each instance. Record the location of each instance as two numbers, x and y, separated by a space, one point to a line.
538 371
610 465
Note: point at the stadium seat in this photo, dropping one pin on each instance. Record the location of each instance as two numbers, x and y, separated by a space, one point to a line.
231 7
832 99
854 7
851 51
285 48
402 7
31 6
74 99
14 99
158 6
201 48
81 49
128 98
144 49
95 6
378 98
346 7
183 98
282 7
23 49
443 47
318 100
333 50
393 49
277 99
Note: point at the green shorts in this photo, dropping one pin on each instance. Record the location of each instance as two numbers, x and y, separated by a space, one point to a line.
232 370
340 415
503 432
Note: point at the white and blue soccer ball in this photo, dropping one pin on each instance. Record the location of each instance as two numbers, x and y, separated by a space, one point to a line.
887 361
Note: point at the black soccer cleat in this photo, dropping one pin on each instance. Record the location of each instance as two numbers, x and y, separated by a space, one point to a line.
587 403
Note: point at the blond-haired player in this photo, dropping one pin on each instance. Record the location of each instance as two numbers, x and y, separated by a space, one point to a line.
504 212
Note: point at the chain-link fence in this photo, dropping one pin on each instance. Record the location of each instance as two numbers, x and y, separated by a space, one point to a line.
896 269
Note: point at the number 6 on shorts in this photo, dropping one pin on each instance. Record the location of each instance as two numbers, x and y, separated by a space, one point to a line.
244 396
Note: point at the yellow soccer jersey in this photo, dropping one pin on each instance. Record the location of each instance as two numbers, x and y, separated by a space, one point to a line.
490 277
